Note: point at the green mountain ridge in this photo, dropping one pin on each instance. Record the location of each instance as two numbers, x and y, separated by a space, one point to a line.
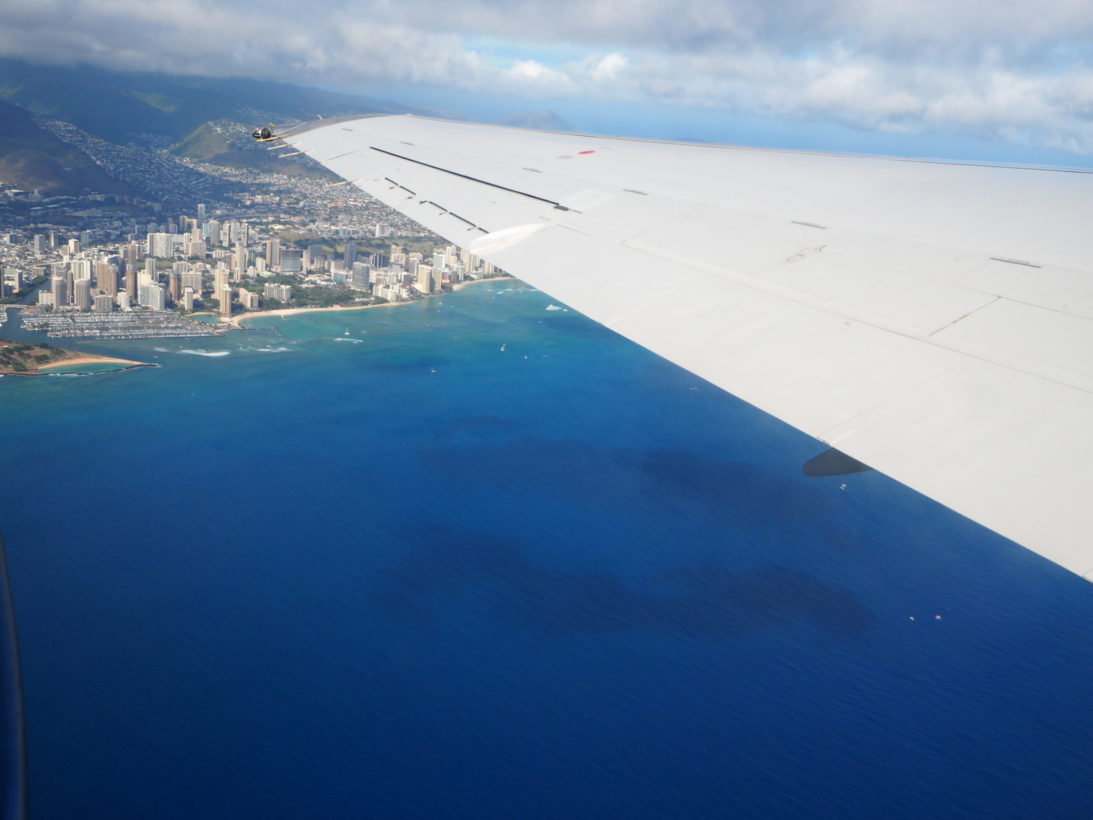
227 143
203 118
32 158
159 109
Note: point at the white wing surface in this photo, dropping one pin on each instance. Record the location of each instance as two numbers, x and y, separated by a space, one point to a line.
932 320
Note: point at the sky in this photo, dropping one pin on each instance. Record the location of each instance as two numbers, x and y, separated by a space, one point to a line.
970 79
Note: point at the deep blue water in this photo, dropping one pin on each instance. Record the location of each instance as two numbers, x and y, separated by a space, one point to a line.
315 578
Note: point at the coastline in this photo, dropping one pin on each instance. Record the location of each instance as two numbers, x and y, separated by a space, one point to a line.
90 358
237 321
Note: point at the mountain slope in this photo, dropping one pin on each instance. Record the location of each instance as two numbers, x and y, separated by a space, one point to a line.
31 157
228 143
158 109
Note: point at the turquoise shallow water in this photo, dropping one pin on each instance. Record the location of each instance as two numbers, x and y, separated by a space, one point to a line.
405 573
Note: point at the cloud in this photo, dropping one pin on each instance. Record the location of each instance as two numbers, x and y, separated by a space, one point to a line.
1018 71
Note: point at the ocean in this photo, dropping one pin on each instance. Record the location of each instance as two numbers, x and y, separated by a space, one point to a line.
478 557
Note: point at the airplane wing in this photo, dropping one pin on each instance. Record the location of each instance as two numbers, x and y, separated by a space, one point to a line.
932 320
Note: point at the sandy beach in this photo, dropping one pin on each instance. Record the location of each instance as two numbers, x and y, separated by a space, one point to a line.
91 359
237 321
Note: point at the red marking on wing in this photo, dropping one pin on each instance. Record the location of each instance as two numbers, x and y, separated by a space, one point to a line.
586 152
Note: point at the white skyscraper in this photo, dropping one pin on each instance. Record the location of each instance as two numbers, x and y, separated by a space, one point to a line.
424 282
152 296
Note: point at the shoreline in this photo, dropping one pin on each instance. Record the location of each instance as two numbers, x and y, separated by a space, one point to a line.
237 321
90 358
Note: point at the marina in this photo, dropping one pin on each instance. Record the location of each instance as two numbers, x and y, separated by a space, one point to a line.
144 324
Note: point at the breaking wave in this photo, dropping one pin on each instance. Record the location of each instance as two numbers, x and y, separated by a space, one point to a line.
212 354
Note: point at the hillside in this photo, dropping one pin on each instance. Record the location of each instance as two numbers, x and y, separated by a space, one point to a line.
159 109
228 143
31 157
82 129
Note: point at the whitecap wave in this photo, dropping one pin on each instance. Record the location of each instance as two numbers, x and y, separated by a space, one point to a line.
212 354
344 339
555 307
271 349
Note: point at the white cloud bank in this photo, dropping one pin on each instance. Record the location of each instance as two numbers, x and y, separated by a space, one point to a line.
1019 71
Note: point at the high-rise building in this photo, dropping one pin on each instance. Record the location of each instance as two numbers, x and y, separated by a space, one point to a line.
73 246
201 213
191 279
282 293
212 232
350 254
424 282
273 253
220 283
150 268
291 261
124 301
162 245
188 299
239 262
102 303
38 244
151 295
81 294
106 278
359 275
248 299
225 296
81 268
469 260
59 287
174 286
13 280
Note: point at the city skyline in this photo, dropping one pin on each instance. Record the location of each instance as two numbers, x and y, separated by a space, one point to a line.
207 264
